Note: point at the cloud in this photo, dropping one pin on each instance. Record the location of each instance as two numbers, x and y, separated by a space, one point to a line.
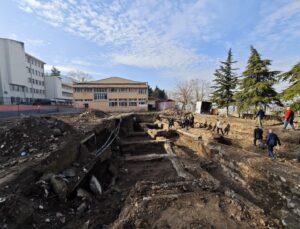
278 26
36 42
148 34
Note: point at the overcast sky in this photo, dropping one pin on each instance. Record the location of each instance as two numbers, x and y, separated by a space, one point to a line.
158 41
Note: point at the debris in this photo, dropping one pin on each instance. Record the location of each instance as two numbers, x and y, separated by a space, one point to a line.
95 186
82 207
24 153
47 220
41 207
2 199
69 172
83 194
59 187
57 132
61 217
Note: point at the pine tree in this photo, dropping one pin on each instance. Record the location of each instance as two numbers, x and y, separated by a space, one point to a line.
225 83
293 77
256 84
292 92
55 71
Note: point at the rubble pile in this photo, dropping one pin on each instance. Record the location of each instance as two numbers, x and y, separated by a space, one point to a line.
32 135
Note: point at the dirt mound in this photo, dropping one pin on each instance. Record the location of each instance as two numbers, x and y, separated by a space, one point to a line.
187 205
32 135
92 115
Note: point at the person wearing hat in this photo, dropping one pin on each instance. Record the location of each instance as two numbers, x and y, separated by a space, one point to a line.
289 118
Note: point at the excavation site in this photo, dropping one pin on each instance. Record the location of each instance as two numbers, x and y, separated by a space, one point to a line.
93 170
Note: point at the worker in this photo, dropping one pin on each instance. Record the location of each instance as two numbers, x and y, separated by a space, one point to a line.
227 129
186 122
192 121
272 141
257 135
171 122
260 114
218 126
289 118
209 127
203 125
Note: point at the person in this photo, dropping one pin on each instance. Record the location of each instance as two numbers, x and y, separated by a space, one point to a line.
257 135
171 122
209 127
227 129
218 126
260 115
203 125
182 122
289 118
272 141
186 122
192 120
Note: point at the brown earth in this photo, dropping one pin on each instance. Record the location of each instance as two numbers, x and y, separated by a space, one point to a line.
150 177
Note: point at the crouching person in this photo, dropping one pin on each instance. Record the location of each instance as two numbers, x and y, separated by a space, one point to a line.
272 141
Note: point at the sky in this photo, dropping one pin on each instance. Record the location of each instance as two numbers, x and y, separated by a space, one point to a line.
159 41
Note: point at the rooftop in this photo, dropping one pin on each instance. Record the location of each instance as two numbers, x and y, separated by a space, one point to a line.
113 80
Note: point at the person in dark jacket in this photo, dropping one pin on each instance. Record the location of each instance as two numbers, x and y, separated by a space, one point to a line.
192 121
260 114
227 129
272 141
289 118
257 135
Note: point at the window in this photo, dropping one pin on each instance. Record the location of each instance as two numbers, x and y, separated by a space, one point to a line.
28 69
124 89
132 102
113 89
142 101
100 89
113 102
100 96
43 83
36 72
142 91
123 102
36 82
40 82
29 80
134 90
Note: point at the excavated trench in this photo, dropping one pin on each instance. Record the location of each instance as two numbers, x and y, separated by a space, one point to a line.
153 177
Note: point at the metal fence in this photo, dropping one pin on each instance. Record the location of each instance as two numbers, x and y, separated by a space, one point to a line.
10 111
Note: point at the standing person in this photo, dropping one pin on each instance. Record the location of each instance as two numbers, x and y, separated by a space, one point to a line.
227 129
186 122
289 118
219 127
257 135
182 122
272 140
192 121
171 122
260 114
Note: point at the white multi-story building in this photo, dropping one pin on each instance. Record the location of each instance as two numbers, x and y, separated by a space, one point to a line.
58 89
22 77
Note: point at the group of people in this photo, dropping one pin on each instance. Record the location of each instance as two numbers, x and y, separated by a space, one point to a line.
218 127
272 138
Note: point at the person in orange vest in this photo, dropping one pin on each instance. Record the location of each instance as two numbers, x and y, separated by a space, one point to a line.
289 118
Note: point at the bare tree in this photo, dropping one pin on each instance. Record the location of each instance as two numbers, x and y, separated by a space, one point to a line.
79 76
201 90
191 91
183 93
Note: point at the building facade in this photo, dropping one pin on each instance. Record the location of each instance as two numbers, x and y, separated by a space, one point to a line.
22 77
113 94
57 89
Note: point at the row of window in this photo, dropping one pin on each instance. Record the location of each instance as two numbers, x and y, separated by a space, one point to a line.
67 94
37 82
126 102
97 90
66 87
30 60
34 72
14 87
